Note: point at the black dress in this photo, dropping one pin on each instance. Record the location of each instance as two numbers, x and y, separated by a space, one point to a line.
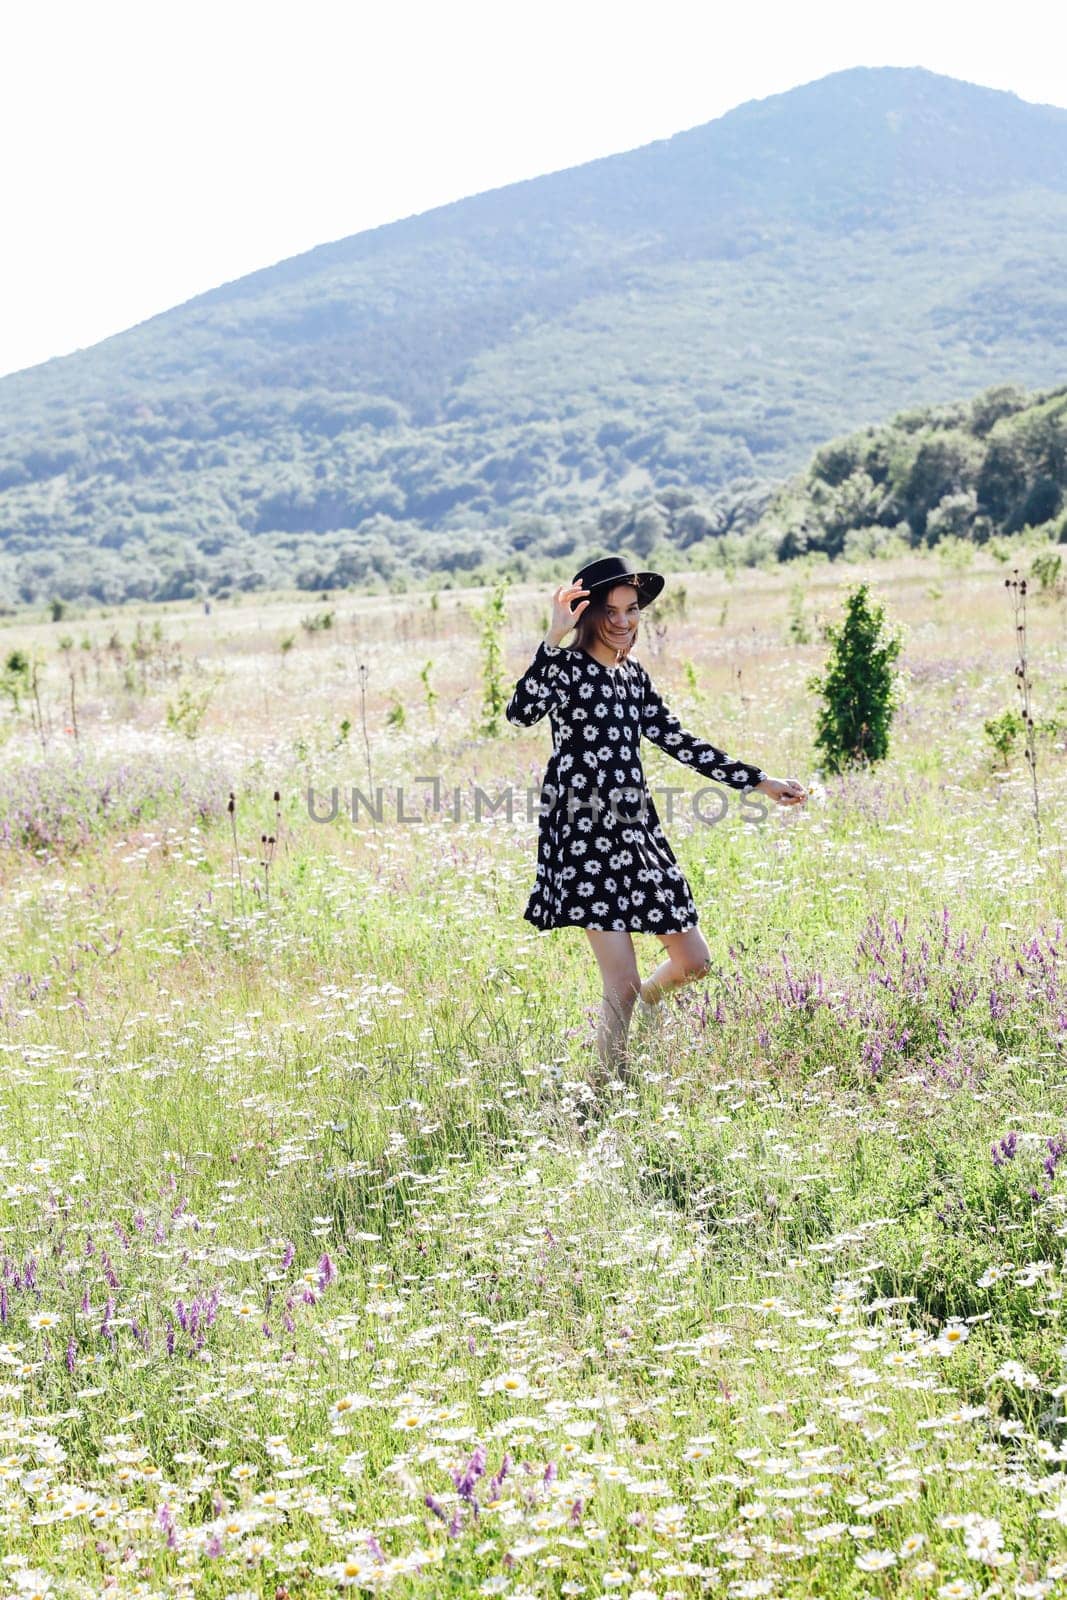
603 860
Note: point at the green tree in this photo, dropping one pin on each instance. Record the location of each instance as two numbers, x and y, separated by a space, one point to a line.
858 685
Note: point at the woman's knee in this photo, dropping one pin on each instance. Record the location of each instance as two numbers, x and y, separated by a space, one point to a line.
692 968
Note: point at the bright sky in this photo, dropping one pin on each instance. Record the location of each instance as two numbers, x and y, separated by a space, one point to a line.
152 150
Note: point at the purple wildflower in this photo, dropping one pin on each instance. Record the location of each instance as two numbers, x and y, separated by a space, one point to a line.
436 1507
495 1482
1057 1148
1004 1151
873 1055
465 1480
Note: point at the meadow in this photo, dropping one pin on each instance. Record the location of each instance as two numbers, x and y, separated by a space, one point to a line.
326 1260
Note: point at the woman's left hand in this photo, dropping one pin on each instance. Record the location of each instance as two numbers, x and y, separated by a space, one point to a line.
786 791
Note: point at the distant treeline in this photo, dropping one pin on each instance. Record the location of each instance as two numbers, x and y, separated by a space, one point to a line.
993 465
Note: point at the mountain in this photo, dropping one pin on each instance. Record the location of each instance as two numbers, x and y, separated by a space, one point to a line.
510 375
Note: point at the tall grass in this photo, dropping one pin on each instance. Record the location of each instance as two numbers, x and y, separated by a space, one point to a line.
313 1274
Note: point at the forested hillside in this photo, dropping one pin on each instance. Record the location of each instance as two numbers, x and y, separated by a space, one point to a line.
651 341
995 465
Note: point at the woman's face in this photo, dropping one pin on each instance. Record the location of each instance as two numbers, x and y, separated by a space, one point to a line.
618 626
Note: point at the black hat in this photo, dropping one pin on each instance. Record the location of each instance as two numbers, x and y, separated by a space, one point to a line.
611 570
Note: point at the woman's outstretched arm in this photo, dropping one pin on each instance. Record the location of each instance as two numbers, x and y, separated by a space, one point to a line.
661 726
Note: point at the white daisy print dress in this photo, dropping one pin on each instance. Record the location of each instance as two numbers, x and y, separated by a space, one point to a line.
603 860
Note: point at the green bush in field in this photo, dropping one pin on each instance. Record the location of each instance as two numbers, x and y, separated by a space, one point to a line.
491 618
1002 733
15 677
859 686
186 713
1047 568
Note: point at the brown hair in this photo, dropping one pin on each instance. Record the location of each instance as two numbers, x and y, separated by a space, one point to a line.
585 629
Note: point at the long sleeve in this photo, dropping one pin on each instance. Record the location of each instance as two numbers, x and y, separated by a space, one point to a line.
542 687
662 727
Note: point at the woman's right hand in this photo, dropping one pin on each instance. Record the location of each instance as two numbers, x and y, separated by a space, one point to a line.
563 618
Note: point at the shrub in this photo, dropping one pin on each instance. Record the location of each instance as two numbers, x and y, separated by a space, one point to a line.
858 685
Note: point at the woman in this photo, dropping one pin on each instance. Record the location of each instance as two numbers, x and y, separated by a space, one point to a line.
603 861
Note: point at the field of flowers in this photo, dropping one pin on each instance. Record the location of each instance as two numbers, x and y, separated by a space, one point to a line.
326 1260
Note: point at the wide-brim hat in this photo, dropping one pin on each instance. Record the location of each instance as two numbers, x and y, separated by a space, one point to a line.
609 570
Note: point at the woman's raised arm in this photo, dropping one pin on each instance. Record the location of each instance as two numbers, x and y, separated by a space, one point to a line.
542 687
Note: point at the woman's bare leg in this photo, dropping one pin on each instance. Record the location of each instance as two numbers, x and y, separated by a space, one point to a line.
621 983
688 958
